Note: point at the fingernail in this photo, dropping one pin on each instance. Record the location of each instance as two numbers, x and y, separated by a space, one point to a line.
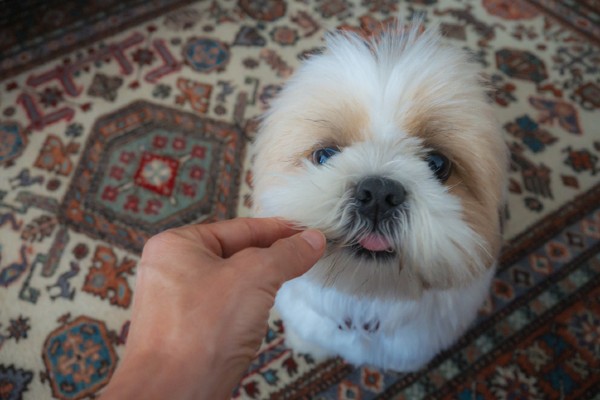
314 238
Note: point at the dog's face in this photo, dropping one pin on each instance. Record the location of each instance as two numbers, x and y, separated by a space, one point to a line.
390 149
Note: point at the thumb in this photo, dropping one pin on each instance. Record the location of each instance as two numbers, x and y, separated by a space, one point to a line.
294 255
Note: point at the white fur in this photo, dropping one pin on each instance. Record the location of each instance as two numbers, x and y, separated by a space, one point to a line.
333 309
411 332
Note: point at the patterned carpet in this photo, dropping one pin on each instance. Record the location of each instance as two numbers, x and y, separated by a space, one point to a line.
123 118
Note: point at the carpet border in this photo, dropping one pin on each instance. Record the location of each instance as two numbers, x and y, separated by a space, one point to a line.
111 31
486 359
564 20
540 232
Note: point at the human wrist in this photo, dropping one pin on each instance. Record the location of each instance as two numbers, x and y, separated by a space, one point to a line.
155 377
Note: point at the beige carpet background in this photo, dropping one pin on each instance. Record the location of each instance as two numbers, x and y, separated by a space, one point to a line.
121 119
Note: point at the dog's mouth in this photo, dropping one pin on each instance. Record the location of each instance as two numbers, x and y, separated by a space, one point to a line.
374 245
375 242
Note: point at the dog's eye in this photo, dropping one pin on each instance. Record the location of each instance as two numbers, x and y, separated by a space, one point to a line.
321 156
440 165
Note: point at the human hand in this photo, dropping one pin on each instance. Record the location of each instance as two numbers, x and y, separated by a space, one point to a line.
201 304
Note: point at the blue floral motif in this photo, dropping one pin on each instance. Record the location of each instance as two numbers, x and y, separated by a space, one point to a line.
206 55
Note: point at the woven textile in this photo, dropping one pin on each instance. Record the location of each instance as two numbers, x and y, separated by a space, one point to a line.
119 119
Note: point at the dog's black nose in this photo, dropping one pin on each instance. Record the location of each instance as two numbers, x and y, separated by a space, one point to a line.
377 195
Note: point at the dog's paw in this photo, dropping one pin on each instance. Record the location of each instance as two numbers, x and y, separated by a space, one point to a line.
367 326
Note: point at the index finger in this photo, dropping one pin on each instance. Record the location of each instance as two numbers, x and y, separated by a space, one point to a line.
226 238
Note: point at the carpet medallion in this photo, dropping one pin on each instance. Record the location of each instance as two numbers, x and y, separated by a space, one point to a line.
79 358
120 119
145 171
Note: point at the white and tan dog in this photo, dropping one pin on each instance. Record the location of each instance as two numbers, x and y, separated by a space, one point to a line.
389 147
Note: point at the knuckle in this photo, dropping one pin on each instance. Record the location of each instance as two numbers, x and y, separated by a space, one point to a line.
292 249
263 263
260 259
160 244
159 241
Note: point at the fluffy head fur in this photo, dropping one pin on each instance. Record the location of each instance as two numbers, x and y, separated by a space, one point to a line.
385 105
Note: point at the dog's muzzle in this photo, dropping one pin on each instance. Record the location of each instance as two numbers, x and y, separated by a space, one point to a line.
377 200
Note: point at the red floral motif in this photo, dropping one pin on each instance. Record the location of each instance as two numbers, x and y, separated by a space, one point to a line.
143 57
107 277
55 155
117 172
188 190
80 251
502 290
510 9
197 93
268 10
369 26
558 251
581 160
110 193
555 110
348 390
199 151
372 379
132 203
51 97
159 142
157 173
251 389
126 157
153 207
285 36
291 366
178 144
197 173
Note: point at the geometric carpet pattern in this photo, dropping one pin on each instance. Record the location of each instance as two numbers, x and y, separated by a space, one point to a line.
119 119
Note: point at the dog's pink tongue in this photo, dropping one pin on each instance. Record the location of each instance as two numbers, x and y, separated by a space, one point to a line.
375 242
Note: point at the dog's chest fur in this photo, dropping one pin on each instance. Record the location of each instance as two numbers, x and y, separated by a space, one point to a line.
392 334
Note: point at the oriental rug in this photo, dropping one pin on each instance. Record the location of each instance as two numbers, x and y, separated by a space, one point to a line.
119 119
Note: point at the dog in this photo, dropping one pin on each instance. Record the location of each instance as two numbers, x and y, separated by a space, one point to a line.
389 146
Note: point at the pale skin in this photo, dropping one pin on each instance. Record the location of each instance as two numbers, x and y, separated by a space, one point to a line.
201 304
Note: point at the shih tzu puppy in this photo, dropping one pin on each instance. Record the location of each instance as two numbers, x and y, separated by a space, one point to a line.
390 148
